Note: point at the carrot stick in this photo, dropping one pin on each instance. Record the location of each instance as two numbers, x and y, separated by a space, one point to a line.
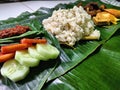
13 47
32 41
5 57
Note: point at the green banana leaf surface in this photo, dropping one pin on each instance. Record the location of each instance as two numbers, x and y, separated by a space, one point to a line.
90 65
99 71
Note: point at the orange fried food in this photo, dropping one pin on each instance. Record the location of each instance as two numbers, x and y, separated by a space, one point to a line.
104 18
114 12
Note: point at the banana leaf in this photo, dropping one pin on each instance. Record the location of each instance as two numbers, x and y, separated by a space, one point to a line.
100 71
69 57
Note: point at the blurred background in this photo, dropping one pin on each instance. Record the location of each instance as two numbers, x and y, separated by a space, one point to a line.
8 1
13 8
3 1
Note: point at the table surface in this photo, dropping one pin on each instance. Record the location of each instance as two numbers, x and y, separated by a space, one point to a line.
8 10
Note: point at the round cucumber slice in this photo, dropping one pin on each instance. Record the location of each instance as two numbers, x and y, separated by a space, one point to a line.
14 71
34 53
48 51
24 58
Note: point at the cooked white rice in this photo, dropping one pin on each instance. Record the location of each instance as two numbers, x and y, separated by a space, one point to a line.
69 25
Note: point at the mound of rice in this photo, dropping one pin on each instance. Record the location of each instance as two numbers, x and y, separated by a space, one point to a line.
69 25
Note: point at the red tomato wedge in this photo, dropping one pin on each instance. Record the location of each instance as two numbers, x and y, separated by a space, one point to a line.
13 47
5 57
33 41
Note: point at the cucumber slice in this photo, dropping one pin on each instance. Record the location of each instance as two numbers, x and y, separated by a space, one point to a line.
34 53
48 51
24 58
14 70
